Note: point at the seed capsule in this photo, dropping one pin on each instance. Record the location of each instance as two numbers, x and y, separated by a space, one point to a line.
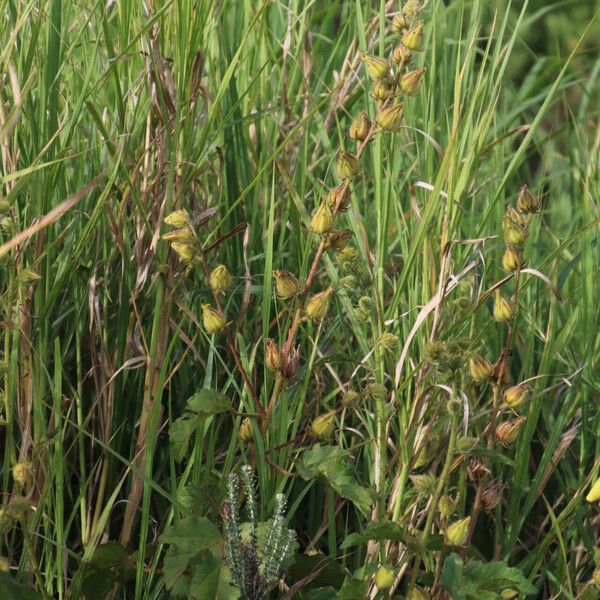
527 202
322 426
323 219
508 431
20 473
350 398
377 68
476 470
504 308
360 127
178 218
272 356
220 279
456 534
184 251
245 432
424 484
212 319
512 259
390 119
446 506
413 38
399 23
185 235
382 90
339 196
286 285
348 165
338 238
318 306
517 394
401 56
411 82
384 578
594 493
515 231
480 368
289 366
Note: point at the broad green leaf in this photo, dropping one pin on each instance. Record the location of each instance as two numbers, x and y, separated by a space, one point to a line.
211 581
13 590
331 463
482 581
189 539
201 405
375 531
322 570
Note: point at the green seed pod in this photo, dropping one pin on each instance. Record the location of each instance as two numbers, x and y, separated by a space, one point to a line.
504 308
338 239
512 259
390 119
446 506
350 398
318 306
377 68
184 235
348 256
389 340
322 426
212 319
384 578
424 484
323 219
515 231
411 82
382 90
516 395
360 127
184 251
527 202
339 197
245 432
480 368
348 165
456 533
286 285
220 279
178 218
401 56
413 38
399 23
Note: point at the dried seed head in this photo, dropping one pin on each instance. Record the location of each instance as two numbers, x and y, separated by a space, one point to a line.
476 470
377 68
322 220
401 56
399 23
491 496
273 359
286 285
339 197
318 306
480 368
384 577
508 431
350 398
411 82
390 119
338 239
517 394
348 165
413 38
360 127
594 493
245 432
220 279
178 218
290 363
456 533
184 251
424 484
504 308
514 228
322 426
512 259
382 90
212 319
21 473
527 202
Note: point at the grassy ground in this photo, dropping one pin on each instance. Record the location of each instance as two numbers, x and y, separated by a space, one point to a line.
116 463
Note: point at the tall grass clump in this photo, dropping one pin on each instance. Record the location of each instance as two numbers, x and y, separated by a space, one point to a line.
299 300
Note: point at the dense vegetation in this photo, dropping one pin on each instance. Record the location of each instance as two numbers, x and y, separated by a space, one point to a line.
300 299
